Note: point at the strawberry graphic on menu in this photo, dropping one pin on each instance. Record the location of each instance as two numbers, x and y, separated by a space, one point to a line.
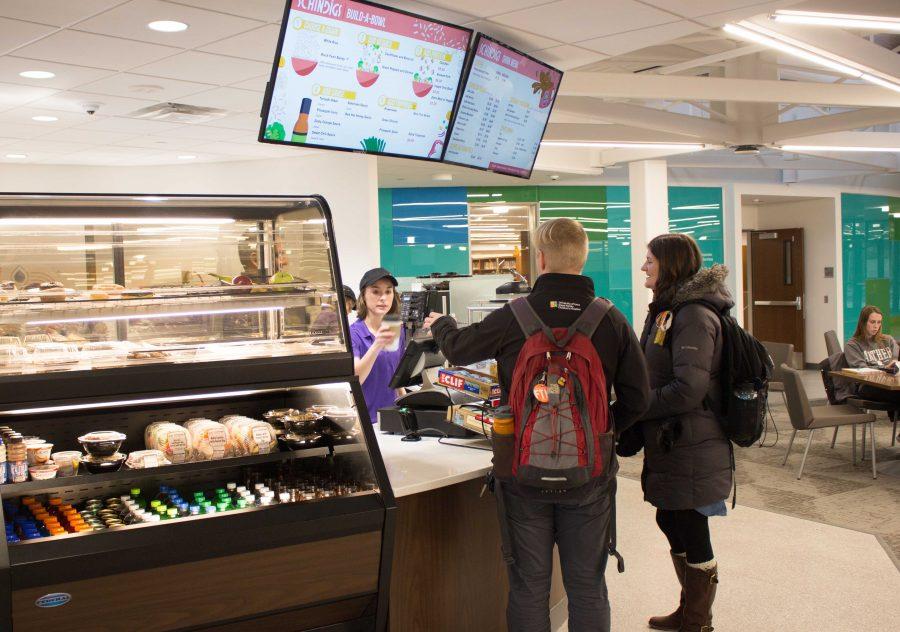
545 85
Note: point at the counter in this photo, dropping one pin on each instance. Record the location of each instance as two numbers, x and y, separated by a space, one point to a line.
448 573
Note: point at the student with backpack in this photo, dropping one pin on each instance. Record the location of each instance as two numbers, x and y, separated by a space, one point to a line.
559 352
687 471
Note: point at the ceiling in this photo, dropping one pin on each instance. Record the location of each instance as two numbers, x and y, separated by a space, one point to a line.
103 54
764 200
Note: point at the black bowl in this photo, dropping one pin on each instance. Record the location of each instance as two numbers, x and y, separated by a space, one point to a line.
104 465
103 443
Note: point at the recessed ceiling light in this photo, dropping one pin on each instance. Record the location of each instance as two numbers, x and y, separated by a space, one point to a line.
186 157
37 74
16 156
167 26
44 119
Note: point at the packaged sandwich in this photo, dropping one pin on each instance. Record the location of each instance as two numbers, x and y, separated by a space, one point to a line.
172 440
210 440
250 436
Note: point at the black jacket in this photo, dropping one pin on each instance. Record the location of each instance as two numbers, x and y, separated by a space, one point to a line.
695 470
499 336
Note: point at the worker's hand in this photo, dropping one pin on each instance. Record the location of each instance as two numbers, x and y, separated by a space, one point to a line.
429 321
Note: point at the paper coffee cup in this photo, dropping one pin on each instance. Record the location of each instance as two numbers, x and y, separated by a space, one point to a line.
395 325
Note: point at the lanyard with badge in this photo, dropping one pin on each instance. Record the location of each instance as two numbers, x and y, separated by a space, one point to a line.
663 323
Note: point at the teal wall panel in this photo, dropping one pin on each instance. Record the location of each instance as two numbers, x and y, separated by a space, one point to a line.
697 211
870 226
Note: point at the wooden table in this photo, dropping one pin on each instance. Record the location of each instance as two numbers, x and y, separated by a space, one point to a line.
876 378
888 382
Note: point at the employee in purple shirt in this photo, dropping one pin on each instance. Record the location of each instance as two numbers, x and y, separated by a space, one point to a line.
374 363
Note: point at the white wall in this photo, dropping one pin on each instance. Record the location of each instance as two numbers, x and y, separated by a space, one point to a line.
349 182
818 220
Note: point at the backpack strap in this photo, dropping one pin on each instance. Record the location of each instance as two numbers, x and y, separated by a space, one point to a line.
588 321
528 320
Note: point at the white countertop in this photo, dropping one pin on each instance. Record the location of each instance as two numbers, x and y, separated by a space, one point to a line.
420 466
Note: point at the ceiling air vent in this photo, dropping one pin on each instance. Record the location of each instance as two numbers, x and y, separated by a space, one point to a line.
178 113
751 150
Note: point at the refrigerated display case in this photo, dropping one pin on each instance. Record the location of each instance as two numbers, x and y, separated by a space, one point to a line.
205 337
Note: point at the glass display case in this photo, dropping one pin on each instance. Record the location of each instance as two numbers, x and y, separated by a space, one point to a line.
121 286
182 408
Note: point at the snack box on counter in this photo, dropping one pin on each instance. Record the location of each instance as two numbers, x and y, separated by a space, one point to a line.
485 367
468 381
471 418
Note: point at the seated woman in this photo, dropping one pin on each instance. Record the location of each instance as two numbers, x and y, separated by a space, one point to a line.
870 348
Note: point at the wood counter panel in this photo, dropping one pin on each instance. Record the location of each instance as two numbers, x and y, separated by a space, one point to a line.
218 589
448 574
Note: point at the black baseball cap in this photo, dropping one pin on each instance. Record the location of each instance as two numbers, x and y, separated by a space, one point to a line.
374 275
348 293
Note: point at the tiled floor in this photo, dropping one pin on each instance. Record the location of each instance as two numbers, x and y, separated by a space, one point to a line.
815 554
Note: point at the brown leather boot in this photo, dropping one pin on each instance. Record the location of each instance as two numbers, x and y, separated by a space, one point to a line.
673 621
699 594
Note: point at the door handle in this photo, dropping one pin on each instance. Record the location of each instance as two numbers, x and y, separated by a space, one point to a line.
797 302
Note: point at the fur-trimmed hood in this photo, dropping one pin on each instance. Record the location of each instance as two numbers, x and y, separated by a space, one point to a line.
707 285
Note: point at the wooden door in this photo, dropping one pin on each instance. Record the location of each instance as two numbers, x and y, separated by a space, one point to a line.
776 269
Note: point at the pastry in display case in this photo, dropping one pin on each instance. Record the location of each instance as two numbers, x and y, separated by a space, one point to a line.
182 411
118 286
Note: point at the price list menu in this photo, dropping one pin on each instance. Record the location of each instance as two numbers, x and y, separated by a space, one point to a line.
503 111
359 76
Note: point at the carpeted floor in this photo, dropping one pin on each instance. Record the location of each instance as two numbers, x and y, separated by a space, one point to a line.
832 491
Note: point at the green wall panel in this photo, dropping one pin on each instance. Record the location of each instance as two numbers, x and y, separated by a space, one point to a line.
697 211
871 257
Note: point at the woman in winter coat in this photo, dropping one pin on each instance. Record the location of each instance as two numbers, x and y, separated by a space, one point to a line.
687 471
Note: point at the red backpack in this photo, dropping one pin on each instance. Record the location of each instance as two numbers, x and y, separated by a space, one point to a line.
560 402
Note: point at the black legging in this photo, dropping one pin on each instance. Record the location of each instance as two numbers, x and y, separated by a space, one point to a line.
876 394
688 532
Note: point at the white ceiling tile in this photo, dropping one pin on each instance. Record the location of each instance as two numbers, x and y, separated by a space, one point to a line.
567 57
142 87
436 12
130 21
695 8
577 20
90 137
158 143
204 68
97 51
257 83
247 122
16 33
127 125
44 146
202 132
480 8
53 11
231 99
12 95
112 156
266 10
24 114
258 44
73 101
16 130
249 150
66 76
635 40
7 141
517 39
721 17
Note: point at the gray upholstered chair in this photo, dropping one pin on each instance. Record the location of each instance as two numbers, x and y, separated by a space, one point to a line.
832 344
781 353
811 418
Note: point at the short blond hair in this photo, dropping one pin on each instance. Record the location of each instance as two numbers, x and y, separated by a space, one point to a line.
564 244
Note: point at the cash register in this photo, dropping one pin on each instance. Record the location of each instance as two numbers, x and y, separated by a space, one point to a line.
426 405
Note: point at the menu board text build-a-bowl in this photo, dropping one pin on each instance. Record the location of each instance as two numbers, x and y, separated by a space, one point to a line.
504 109
363 77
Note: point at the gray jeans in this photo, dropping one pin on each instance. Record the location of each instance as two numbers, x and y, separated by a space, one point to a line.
579 531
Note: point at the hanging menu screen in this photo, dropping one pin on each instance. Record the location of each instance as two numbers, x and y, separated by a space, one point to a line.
504 110
359 76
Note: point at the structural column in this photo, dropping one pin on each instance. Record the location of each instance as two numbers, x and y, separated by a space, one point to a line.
649 185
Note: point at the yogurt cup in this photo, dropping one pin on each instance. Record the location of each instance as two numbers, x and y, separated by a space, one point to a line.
68 463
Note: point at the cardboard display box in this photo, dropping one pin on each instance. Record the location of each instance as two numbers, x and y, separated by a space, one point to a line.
467 381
